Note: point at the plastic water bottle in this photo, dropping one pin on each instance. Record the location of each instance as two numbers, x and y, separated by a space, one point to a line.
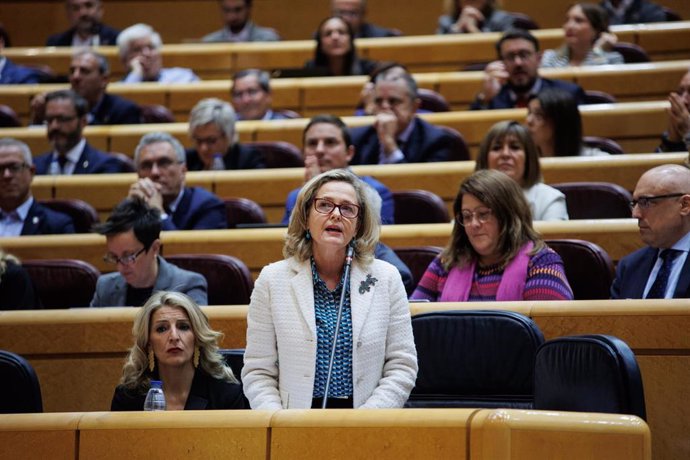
218 163
155 399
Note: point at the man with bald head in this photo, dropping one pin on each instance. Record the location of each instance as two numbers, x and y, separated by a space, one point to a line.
661 205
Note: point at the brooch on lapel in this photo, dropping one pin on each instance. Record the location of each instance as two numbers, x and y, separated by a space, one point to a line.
365 286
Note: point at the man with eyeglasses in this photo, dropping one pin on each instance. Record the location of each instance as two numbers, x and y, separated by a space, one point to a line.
661 205
160 163
238 25
398 135
251 96
677 137
514 77
132 234
354 12
65 119
20 213
212 128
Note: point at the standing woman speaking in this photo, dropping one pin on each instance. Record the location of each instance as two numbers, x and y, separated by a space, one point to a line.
293 311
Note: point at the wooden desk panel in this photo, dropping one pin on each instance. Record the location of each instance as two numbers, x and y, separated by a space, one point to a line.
39 436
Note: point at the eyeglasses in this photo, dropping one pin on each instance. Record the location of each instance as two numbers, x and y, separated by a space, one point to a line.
466 217
645 202
60 119
13 168
251 92
347 210
124 260
162 163
523 55
204 140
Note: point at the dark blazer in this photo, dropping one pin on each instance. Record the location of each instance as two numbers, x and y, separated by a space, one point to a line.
237 157
91 161
198 209
111 288
115 110
426 143
207 393
43 221
633 271
503 100
638 11
16 289
17 74
383 252
108 36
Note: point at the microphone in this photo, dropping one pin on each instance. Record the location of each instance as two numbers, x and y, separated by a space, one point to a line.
346 280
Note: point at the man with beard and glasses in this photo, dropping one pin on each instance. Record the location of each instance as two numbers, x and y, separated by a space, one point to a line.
65 118
510 81
87 29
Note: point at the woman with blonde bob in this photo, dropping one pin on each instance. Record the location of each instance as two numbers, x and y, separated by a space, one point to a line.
494 253
174 343
293 310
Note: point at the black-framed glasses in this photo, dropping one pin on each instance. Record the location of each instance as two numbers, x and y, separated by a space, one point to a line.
124 260
162 163
326 206
465 218
522 54
60 119
13 168
644 202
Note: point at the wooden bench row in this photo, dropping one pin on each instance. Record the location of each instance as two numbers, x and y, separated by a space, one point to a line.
78 354
270 187
425 53
636 126
259 247
339 95
463 434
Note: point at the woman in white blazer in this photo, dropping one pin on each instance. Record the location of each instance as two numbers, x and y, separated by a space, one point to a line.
293 310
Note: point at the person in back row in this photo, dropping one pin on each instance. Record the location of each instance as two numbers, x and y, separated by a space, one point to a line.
355 13
251 96
85 17
238 25
160 163
677 136
132 235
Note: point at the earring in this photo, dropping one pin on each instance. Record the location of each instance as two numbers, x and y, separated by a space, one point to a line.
307 235
152 360
195 358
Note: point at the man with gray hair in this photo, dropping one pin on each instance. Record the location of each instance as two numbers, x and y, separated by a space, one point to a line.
251 96
85 17
20 213
398 135
139 47
160 163
212 128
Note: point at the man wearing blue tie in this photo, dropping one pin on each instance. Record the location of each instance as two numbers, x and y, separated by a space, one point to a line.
661 205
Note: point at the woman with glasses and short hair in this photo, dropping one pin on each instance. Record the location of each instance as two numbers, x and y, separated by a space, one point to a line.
494 253
292 316
132 234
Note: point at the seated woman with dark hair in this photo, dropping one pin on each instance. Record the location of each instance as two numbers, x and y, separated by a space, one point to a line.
554 121
16 289
587 39
509 148
174 343
335 50
494 253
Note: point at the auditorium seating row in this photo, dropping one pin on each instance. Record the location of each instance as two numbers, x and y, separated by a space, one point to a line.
463 434
339 95
66 346
269 188
427 53
636 126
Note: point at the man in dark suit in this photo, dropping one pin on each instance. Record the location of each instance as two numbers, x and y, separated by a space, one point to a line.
212 128
251 96
20 214
398 135
87 29
160 163
132 234
11 73
65 115
89 74
511 80
661 205
355 12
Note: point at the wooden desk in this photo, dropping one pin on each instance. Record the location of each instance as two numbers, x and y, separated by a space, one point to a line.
39 436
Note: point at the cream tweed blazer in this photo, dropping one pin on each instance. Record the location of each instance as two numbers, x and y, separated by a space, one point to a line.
280 358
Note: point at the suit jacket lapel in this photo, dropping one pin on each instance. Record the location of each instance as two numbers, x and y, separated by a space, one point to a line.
303 290
33 220
645 267
82 166
164 278
683 286
119 292
361 296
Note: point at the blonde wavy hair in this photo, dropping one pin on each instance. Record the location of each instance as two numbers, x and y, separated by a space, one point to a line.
368 221
136 373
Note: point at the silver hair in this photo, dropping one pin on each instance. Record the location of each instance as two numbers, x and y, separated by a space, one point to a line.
137 32
393 75
103 64
19 145
216 111
154 138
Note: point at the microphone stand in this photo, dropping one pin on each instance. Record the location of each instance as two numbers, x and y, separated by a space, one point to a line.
346 280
